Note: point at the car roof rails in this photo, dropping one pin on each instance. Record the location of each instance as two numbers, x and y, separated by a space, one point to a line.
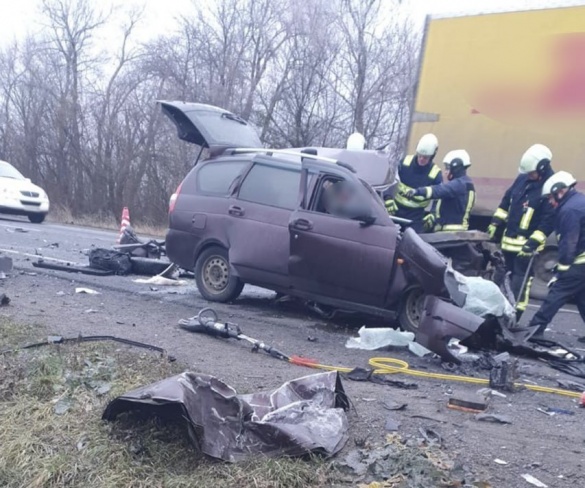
303 154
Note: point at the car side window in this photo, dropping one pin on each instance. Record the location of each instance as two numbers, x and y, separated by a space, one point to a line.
215 178
269 185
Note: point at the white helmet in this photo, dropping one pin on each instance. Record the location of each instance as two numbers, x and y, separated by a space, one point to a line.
536 158
461 154
356 142
557 182
428 145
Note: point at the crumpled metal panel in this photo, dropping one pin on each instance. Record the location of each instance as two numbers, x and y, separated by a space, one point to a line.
302 416
442 321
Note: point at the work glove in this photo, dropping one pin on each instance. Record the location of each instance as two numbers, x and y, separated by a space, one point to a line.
429 222
410 194
493 227
552 281
391 206
529 248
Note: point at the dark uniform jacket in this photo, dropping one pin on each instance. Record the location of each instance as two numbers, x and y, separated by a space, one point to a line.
413 176
570 229
455 201
526 213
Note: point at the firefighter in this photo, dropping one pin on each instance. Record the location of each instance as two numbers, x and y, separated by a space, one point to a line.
527 219
456 198
356 142
569 279
416 171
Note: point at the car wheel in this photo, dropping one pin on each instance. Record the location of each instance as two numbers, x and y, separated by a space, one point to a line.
411 309
213 278
37 218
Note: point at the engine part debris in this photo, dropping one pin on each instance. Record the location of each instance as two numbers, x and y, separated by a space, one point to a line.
467 403
302 416
503 376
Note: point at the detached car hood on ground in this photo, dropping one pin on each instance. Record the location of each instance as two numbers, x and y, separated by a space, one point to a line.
302 416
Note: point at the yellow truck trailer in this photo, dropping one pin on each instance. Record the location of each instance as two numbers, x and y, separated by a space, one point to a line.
495 84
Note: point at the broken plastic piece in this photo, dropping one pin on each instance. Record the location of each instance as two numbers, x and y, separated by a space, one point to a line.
533 481
371 339
492 417
87 291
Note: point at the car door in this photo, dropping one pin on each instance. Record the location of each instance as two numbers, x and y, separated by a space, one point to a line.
260 213
340 257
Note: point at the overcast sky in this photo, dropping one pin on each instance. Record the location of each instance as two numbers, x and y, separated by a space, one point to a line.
17 17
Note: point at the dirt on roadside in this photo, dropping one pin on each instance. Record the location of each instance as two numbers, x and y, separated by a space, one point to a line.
550 448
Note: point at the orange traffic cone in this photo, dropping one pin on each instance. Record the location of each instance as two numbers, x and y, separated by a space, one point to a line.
124 223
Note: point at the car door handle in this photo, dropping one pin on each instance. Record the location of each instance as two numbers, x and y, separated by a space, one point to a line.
235 210
302 224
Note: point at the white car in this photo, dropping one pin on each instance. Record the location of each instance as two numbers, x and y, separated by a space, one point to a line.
18 196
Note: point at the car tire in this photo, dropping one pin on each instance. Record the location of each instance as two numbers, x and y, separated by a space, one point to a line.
37 218
213 277
411 309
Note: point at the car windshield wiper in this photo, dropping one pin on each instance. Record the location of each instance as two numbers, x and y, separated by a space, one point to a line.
233 117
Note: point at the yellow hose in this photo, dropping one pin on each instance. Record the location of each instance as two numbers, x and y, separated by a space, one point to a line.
396 366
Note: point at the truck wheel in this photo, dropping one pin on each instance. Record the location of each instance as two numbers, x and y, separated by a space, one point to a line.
213 278
411 309
37 218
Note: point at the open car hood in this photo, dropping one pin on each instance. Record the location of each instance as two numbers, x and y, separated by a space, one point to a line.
374 167
209 126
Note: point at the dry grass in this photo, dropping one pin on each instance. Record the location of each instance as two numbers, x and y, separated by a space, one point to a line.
42 448
62 215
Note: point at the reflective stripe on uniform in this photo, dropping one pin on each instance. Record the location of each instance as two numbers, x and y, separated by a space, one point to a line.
562 267
580 259
453 227
538 236
523 301
501 214
468 208
526 218
408 159
513 244
416 202
428 192
434 172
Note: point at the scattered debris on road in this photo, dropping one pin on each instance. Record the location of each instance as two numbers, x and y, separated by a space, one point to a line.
87 291
371 339
4 300
494 418
302 416
533 481
467 403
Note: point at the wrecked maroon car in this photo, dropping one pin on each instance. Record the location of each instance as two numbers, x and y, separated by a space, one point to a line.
303 222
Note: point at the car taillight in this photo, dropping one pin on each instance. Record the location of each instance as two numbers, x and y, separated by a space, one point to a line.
173 199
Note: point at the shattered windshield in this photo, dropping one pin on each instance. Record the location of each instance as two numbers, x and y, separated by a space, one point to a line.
9 171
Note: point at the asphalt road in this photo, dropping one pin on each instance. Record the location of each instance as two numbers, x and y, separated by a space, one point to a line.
549 448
